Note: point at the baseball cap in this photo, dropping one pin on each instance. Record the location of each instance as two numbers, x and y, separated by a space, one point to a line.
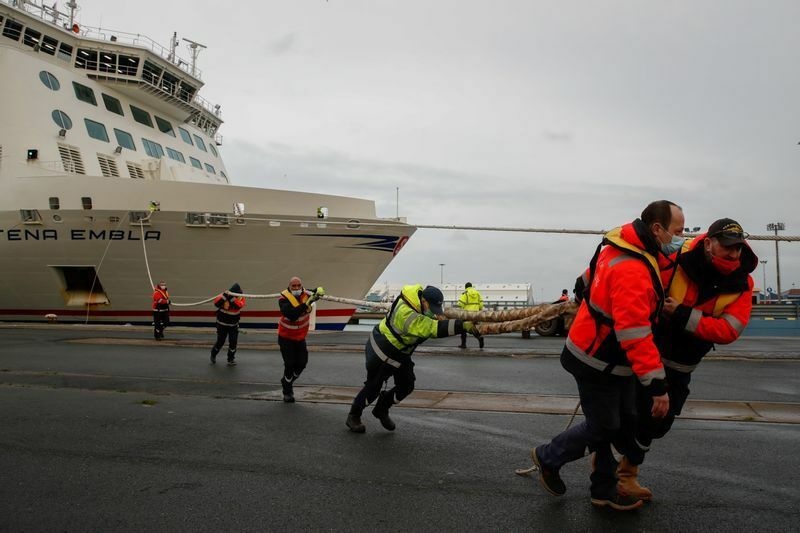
727 231
435 298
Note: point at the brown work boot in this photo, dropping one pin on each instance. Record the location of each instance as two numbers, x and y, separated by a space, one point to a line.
355 424
628 485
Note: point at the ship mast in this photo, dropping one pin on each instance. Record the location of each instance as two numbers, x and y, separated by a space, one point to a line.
195 48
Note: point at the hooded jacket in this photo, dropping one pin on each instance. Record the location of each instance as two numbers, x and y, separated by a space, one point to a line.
612 331
229 307
714 308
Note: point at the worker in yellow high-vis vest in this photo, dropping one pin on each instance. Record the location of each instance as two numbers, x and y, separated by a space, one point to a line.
470 300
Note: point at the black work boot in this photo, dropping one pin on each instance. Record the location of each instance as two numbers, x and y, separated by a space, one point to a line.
480 342
355 424
549 479
288 391
381 410
214 356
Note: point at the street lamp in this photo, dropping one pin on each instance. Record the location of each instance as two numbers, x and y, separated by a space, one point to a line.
764 271
776 227
441 274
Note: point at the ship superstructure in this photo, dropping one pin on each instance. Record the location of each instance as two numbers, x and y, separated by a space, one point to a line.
95 128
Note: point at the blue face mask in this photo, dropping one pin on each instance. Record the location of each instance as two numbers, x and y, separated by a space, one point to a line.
297 292
673 246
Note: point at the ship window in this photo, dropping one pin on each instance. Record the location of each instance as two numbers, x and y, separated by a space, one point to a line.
218 219
152 149
195 163
30 216
12 29
86 59
151 73
80 286
185 136
164 126
54 203
108 62
141 116
62 119
31 38
49 45
213 150
128 65
210 169
86 202
176 155
65 52
124 139
84 93
170 83
112 104
200 144
195 219
96 130
49 80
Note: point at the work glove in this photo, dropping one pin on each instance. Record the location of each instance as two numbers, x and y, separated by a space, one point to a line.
469 327
319 292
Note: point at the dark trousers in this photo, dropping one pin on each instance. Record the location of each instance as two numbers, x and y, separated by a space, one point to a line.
608 404
464 337
379 373
649 428
160 322
232 334
295 357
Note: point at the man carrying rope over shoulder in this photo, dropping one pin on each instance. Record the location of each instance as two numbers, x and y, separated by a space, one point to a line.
161 303
412 320
296 305
229 309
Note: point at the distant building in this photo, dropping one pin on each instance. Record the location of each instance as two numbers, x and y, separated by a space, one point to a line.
792 295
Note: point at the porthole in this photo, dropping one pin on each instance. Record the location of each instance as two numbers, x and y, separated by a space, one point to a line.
56 218
62 120
49 80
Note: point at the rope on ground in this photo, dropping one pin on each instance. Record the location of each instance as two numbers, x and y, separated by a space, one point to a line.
533 468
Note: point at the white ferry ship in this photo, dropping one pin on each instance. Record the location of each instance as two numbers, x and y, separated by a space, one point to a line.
95 127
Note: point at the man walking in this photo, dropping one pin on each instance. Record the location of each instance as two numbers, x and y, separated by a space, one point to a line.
229 309
609 342
470 300
412 320
295 304
161 304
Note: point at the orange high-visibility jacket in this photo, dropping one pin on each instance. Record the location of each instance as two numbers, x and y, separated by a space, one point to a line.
612 331
295 316
160 300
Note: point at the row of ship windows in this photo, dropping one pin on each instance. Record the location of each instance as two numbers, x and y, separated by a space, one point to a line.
97 130
86 94
32 216
13 30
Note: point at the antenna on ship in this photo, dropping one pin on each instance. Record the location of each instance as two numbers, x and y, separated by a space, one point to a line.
196 48
173 44
73 7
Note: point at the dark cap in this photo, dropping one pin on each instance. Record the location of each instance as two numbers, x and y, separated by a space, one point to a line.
727 231
235 288
468 285
435 298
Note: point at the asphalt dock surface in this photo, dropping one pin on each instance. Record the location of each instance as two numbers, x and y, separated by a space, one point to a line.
105 429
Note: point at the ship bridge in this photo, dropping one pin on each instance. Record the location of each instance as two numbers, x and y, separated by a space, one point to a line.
133 63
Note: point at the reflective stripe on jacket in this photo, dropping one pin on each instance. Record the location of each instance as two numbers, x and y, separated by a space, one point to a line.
470 300
405 327
228 311
612 331
294 329
160 300
720 318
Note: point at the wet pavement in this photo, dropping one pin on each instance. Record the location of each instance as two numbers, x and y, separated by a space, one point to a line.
105 429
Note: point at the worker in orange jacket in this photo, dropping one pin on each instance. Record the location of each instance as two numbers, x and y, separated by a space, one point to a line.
609 343
229 310
709 299
161 303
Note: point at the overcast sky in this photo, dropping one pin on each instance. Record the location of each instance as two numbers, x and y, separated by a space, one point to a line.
506 113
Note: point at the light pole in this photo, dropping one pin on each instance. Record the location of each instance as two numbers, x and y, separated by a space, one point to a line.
441 274
764 271
776 227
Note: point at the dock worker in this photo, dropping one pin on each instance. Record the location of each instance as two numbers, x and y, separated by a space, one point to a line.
709 300
470 300
611 341
564 296
416 315
229 309
295 304
161 304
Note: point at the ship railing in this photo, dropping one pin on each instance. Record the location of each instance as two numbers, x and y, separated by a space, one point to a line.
50 14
